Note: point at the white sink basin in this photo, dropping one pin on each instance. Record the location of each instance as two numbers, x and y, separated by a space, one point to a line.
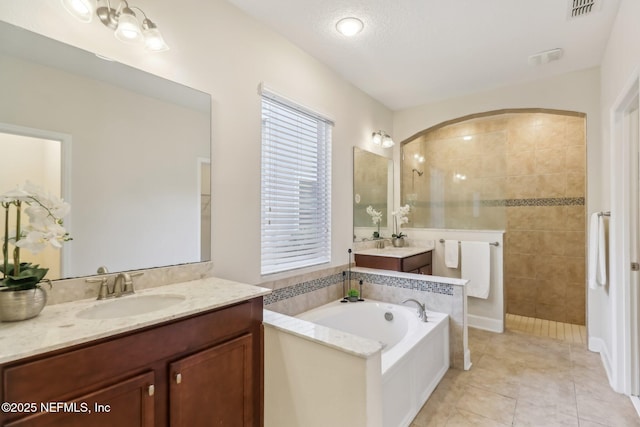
130 306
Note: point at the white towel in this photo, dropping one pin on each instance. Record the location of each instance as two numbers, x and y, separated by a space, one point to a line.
476 267
451 253
597 252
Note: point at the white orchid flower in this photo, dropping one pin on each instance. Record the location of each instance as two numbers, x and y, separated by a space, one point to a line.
34 242
17 194
376 216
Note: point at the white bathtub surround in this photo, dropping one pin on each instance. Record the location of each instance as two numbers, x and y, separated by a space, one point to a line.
487 313
413 360
317 377
439 294
445 295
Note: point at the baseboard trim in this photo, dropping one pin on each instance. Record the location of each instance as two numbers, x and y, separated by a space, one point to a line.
485 323
467 360
636 403
597 345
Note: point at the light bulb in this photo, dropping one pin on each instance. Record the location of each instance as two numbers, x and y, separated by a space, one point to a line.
349 26
153 40
128 29
80 9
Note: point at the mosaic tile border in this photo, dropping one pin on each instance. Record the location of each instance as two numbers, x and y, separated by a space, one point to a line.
302 288
406 283
378 279
550 201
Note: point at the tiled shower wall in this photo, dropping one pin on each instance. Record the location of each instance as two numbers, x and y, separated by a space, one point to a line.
522 172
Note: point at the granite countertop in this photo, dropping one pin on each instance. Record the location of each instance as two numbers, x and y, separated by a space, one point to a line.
58 327
393 252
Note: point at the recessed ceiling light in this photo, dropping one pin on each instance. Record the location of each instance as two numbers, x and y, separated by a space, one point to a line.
349 26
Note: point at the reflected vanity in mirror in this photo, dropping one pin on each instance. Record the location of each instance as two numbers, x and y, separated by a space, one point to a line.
128 150
372 186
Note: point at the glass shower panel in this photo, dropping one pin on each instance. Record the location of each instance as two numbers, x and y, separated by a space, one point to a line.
454 178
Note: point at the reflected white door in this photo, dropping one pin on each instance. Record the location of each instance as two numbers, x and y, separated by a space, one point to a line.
36 159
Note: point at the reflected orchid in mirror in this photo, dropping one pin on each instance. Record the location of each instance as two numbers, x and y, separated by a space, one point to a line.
400 216
376 217
45 227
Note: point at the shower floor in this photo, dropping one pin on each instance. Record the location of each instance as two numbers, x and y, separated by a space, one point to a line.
547 328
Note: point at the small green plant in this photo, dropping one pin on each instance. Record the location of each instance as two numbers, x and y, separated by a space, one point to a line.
353 293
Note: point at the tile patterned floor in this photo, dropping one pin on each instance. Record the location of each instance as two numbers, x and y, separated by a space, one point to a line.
547 328
520 379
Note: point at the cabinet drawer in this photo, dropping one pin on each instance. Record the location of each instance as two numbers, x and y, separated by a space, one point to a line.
416 261
127 403
379 262
50 378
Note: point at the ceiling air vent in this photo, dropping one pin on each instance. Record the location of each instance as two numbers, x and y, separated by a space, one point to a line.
579 8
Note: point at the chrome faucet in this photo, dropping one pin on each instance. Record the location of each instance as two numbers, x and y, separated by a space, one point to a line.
422 313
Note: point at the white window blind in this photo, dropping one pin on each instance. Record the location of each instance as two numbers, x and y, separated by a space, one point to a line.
296 186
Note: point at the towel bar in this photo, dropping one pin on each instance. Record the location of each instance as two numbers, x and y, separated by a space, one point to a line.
606 213
492 243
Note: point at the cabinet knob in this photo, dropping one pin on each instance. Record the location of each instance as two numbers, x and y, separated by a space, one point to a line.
178 378
151 390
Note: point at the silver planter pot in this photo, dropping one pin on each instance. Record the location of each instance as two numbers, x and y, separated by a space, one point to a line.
398 243
21 305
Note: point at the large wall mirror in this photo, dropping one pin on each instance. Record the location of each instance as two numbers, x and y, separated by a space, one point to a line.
372 187
130 151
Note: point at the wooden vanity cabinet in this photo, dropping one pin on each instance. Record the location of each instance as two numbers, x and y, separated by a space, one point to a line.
418 263
203 370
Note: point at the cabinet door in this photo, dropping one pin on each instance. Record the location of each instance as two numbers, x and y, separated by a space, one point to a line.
128 403
213 387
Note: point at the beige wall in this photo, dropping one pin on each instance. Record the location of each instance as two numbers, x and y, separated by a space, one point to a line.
218 49
526 172
545 248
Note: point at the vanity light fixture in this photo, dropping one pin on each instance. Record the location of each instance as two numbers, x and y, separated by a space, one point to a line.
121 19
383 139
349 26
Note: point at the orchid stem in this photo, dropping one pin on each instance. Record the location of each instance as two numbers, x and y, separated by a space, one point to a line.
5 244
16 250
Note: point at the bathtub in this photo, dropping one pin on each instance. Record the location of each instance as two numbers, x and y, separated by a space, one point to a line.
415 355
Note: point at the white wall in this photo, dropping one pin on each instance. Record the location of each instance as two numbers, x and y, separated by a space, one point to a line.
218 49
577 91
620 66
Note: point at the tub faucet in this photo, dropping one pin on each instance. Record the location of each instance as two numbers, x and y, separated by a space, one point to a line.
422 313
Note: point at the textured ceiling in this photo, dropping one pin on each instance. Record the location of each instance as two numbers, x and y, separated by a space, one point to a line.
413 52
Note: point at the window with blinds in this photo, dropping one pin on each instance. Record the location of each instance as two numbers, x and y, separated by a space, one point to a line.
296 186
